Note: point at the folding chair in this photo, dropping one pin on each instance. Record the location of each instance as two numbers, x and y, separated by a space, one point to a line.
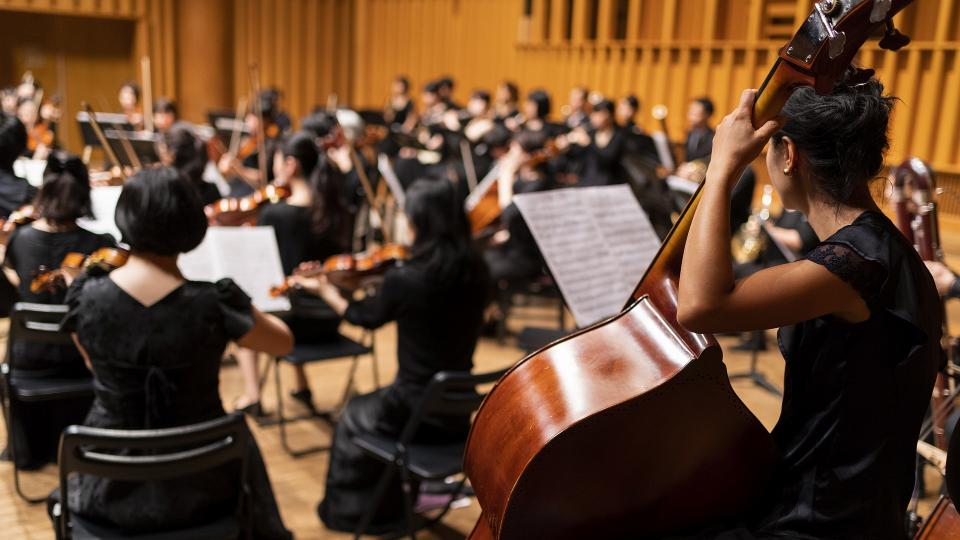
301 355
449 393
35 323
174 452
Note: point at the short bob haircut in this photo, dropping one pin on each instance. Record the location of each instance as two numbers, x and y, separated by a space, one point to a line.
64 196
160 212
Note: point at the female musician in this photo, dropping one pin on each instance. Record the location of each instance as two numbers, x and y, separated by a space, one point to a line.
164 114
311 225
577 110
600 150
399 111
129 98
242 170
536 110
514 254
505 101
860 317
154 341
14 192
63 198
40 135
437 300
180 148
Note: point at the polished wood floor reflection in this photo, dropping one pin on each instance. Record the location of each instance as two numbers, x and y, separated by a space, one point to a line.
298 483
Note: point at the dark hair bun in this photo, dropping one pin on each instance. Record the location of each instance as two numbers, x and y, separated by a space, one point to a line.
841 136
65 193
160 212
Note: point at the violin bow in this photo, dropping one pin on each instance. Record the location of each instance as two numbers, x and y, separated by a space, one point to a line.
237 127
261 137
147 82
107 149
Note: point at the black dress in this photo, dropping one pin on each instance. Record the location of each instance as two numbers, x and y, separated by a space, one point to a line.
154 367
311 320
601 165
855 396
29 249
437 329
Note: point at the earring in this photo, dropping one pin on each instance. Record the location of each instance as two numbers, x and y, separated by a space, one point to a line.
787 171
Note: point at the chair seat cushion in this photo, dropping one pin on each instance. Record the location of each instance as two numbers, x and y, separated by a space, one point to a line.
43 389
226 527
316 352
426 461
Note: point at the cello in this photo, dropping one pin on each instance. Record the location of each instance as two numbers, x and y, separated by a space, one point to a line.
630 428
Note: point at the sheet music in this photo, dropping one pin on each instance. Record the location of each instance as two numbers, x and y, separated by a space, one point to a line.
248 255
597 243
104 206
393 182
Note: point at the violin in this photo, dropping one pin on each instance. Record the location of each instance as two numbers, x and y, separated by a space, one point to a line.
483 204
349 271
106 258
243 210
21 216
630 428
39 135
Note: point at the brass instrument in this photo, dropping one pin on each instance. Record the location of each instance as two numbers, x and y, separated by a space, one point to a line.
749 241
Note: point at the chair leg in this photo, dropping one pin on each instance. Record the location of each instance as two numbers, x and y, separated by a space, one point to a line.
11 451
378 494
407 496
373 361
350 383
282 420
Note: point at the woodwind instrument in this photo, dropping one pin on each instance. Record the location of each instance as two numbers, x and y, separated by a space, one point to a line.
607 433
914 201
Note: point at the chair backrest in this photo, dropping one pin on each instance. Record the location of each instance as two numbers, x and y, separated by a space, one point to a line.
449 393
174 452
37 323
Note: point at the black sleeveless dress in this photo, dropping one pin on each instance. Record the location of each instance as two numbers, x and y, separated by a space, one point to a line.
158 366
855 396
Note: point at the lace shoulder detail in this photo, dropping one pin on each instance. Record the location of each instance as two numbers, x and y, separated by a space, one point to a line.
864 275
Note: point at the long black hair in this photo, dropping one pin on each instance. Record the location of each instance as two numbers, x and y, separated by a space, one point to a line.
841 136
64 196
443 244
328 215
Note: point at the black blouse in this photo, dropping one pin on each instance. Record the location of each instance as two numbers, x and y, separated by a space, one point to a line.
855 395
602 164
295 239
437 324
155 366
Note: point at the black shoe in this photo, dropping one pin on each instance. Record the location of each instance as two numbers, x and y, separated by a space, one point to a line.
305 397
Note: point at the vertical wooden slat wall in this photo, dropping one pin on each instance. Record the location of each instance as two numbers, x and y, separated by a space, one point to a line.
673 50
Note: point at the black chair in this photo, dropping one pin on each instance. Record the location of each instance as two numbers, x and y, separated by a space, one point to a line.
174 452
35 323
449 393
303 354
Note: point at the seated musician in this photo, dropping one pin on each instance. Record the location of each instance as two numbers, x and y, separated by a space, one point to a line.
860 316
242 171
600 150
514 256
400 110
437 299
505 100
700 136
129 99
14 191
311 225
577 111
154 342
8 100
164 114
180 148
536 110
31 249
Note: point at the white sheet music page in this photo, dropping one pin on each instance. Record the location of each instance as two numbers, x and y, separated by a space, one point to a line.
247 255
103 200
597 243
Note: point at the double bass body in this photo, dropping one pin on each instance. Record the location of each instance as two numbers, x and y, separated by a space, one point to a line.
628 427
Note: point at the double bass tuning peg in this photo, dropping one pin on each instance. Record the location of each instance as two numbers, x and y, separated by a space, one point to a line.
893 39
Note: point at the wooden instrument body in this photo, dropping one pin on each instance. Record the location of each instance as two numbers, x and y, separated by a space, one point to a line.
107 258
233 212
352 271
486 212
943 523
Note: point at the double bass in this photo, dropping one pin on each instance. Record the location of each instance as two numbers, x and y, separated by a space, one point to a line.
630 428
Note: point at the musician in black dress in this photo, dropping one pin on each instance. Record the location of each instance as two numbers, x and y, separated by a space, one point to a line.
164 114
31 249
154 342
505 101
600 150
860 316
699 141
180 148
311 225
14 191
400 109
437 299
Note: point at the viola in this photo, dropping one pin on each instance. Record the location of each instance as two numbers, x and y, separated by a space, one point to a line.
630 428
349 271
243 210
22 216
39 135
105 258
